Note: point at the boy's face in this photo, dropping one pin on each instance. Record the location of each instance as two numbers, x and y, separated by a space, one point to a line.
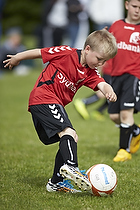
92 58
133 8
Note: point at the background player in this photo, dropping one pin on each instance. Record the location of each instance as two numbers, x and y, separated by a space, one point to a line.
125 72
100 20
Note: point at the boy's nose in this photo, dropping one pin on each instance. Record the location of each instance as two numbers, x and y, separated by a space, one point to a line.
137 9
100 63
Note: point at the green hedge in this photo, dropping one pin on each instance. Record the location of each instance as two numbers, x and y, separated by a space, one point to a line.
23 13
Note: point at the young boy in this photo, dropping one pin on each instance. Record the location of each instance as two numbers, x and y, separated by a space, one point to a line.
67 71
125 72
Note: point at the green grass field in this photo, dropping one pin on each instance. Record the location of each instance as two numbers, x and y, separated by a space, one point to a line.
27 164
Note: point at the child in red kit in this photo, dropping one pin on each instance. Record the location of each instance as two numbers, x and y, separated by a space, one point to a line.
67 71
125 72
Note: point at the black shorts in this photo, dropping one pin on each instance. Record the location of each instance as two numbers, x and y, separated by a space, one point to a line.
107 78
127 88
49 119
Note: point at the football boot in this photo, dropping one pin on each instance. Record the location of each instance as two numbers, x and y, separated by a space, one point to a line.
64 186
81 109
122 155
74 174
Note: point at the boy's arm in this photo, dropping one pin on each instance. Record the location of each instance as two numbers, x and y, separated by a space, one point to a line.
14 60
107 90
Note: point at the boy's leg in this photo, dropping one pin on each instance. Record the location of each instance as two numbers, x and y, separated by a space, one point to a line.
124 87
80 105
66 166
126 134
57 182
128 143
51 129
90 100
59 161
125 139
67 154
68 149
135 141
70 170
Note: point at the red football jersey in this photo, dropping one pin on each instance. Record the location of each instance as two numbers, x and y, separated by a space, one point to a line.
62 77
127 59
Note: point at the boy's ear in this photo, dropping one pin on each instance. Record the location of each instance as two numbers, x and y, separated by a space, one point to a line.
126 5
87 48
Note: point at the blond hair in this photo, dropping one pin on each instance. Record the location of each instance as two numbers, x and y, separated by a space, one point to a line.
130 0
102 41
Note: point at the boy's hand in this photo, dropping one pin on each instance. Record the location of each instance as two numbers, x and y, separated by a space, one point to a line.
11 62
111 97
108 91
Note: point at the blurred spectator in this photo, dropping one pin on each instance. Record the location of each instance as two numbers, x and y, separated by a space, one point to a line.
54 18
12 45
60 22
105 12
74 9
84 28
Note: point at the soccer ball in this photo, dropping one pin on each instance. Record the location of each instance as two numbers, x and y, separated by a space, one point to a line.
103 179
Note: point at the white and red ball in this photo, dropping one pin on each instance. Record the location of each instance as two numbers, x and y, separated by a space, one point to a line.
103 179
